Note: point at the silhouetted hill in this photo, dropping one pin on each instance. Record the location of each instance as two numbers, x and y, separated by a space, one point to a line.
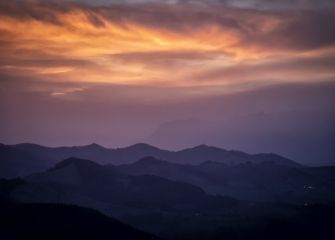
81 163
132 153
255 200
56 221
93 151
215 217
248 181
74 178
153 191
141 148
85 182
7 187
23 159
15 162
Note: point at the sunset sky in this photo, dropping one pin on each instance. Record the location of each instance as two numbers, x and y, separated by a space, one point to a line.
253 75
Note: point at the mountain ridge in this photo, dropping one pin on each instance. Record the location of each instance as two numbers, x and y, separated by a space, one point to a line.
145 146
42 157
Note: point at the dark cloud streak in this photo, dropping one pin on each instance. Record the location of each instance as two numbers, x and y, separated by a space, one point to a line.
298 30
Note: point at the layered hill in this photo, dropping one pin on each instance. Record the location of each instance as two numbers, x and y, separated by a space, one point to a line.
23 159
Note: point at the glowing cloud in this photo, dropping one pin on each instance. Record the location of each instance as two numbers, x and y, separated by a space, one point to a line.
158 44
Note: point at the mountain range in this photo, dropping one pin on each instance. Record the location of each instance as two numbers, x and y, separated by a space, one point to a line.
23 159
197 193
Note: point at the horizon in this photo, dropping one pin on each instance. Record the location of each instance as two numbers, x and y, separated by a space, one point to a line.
163 149
131 145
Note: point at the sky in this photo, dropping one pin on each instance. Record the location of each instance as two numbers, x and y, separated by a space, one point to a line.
252 75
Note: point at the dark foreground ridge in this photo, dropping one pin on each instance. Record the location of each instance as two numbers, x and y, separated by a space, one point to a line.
79 198
58 221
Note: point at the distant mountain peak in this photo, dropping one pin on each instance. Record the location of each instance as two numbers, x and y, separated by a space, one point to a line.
93 146
204 147
74 161
141 146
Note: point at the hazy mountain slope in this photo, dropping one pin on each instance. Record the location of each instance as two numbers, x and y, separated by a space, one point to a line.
18 163
23 159
96 152
196 155
93 151
252 181
87 183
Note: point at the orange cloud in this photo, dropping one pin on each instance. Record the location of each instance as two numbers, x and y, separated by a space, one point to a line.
148 45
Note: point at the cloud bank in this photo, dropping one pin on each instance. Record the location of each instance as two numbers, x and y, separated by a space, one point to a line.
144 43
